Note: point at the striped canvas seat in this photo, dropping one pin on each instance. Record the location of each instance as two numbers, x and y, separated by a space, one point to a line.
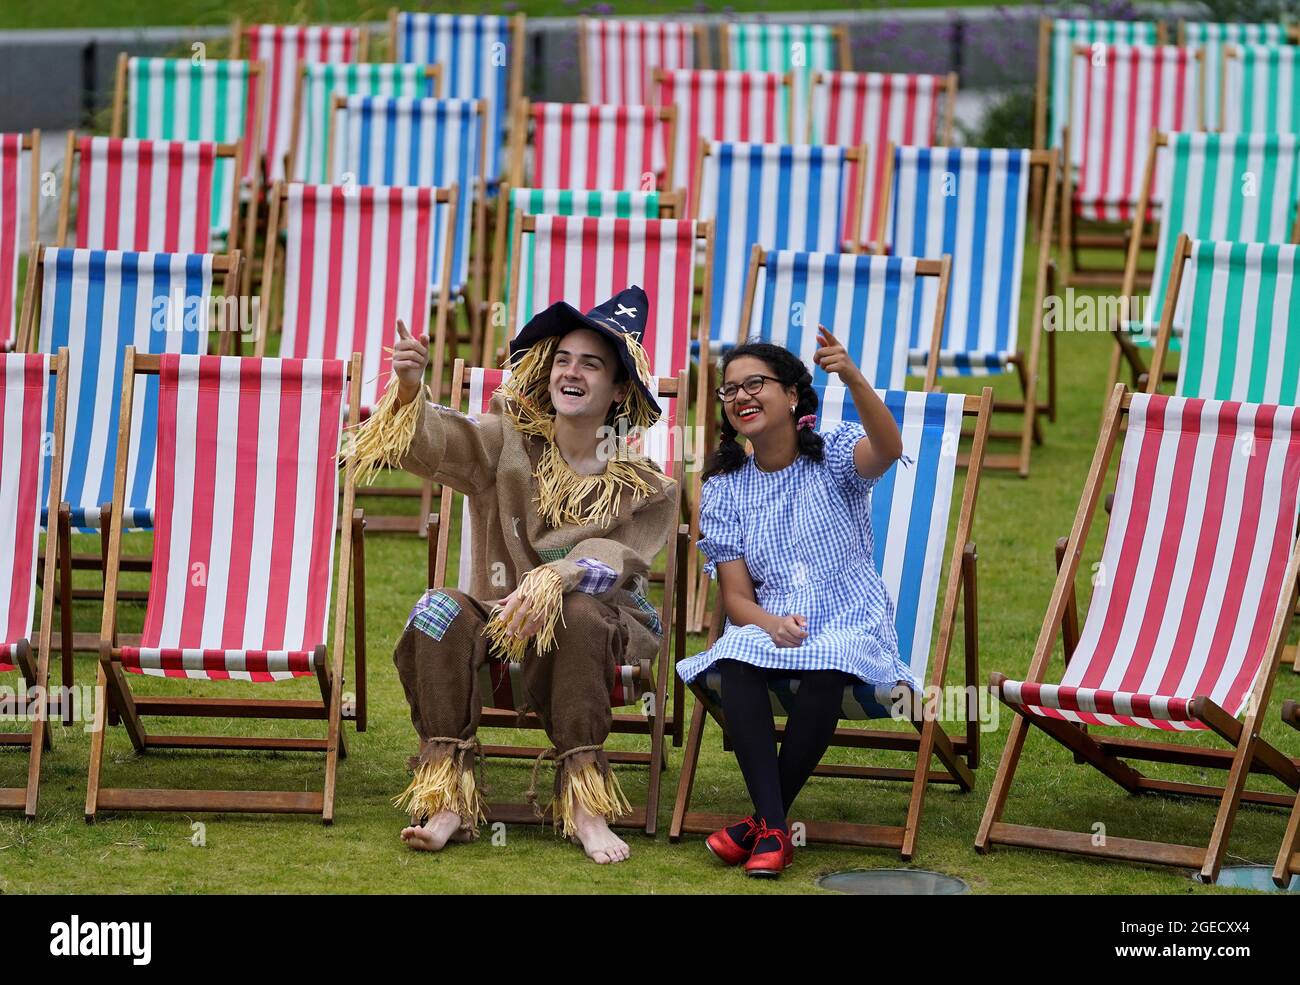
576 145
430 143
865 301
778 196
617 57
317 86
481 57
283 48
800 49
356 260
1121 95
96 303
248 491
209 100
148 194
1201 533
24 422
910 507
1261 89
1212 38
876 109
971 204
1064 34
753 107
15 190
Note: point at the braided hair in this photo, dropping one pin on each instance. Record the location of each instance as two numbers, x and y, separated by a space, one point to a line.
790 370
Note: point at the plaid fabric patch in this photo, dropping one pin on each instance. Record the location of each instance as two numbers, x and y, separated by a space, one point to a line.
656 625
550 554
433 614
597 577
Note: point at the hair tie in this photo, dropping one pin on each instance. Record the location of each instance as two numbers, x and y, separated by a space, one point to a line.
807 421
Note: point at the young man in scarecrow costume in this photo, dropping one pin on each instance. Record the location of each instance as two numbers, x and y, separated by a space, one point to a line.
564 533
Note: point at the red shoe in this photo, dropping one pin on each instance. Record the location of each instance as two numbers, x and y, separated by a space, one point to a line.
725 847
770 864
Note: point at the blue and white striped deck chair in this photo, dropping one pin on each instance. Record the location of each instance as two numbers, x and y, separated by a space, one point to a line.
910 509
866 302
408 142
972 204
482 57
96 303
778 196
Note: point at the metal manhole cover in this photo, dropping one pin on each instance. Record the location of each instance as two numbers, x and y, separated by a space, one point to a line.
892 882
1257 877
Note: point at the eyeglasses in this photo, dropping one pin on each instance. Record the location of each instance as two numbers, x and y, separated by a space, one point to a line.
751 384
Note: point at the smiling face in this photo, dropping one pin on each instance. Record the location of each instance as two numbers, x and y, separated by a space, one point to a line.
752 414
582 376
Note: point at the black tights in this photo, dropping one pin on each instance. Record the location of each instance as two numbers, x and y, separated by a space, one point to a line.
775 780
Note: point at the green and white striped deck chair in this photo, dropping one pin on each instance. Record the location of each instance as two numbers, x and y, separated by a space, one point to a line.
1212 38
1240 305
800 49
1240 187
1261 88
181 99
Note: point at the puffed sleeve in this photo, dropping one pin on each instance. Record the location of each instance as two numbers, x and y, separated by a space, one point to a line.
721 536
839 443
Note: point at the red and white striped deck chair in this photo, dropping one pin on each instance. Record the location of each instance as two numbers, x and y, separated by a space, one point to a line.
616 57
283 48
597 148
248 489
639 686
875 109
1192 601
19 190
747 107
1120 94
25 421
146 195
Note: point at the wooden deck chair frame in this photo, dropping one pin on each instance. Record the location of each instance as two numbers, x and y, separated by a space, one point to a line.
32 144
1072 239
702 58
36 673
72 153
1288 858
273 261
656 725
944 134
1045 283
1248 752
131 708
839 34
958 754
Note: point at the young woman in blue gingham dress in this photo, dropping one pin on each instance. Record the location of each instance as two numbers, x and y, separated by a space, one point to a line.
787 533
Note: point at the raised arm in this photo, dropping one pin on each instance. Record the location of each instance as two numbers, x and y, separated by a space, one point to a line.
883 445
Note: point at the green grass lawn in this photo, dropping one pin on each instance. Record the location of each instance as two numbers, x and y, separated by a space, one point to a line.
1017 523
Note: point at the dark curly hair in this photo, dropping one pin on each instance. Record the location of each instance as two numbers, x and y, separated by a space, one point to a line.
790 370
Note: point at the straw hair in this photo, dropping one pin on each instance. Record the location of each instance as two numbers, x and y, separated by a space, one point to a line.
382 440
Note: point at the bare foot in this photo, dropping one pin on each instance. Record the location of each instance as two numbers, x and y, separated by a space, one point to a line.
435 832
601 844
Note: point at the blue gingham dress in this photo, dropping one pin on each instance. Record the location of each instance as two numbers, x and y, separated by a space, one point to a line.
805 535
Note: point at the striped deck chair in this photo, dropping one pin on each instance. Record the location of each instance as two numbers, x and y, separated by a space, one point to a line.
1261 89
1120 95
1184 631
248 489
972 204
318 84
1288 859
29 410
712 106
427 143
778 196
801 49
356 259
19 188
1240 187
638 686
575 145
1213 39
147 194
876 109
482 57
616 57
910 510
283 48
